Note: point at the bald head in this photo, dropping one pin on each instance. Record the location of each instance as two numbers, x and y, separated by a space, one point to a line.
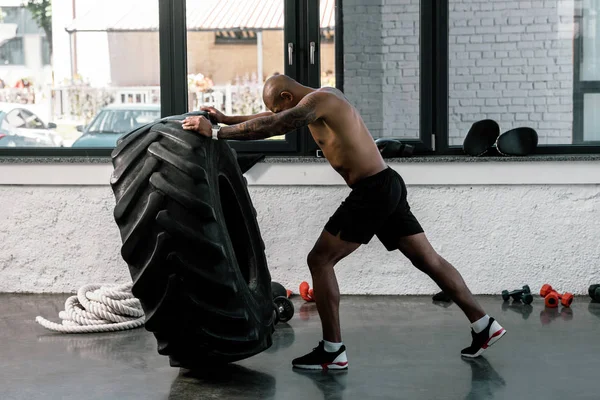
282 93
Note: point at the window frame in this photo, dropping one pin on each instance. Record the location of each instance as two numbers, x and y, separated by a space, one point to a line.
580 88
434 83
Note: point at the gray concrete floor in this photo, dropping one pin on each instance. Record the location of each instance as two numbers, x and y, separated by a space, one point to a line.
398 348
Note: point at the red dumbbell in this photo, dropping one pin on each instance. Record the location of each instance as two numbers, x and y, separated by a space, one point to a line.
552 297
306 292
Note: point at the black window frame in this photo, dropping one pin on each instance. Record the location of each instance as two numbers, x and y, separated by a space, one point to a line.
434 89
580 88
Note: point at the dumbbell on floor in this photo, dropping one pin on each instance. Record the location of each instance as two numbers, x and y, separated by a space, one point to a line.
523 295
279 290
282 305
552 297
284 309
594 292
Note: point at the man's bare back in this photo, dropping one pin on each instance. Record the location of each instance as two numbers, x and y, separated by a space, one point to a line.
343 137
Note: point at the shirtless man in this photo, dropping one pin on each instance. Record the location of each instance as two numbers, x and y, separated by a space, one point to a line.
376 206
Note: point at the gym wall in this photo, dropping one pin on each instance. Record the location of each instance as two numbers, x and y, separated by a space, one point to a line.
58 238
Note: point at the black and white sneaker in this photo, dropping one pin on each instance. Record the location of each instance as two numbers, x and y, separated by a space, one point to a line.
322 360
484 339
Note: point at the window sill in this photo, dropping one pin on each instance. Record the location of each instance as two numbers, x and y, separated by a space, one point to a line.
450 159
314 160
309 171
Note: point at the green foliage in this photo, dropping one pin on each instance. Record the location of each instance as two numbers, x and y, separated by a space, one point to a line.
41 11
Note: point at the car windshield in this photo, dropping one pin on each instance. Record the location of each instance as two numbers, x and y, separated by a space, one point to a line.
122 121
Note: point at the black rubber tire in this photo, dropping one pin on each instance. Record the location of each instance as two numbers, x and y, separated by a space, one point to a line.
193 245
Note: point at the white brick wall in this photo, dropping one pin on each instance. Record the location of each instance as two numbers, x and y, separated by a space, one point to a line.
381 71
400 32
511 61
363 56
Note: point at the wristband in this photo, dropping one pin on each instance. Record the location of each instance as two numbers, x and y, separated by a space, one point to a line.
215 132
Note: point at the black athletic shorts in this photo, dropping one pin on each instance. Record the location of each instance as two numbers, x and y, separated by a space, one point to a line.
377 205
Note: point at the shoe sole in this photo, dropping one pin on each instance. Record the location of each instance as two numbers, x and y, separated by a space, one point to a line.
495 337
324 367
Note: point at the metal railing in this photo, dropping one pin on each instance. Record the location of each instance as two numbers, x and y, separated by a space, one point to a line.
82 103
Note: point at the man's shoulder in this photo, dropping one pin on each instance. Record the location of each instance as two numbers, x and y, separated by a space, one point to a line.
328 90
326 95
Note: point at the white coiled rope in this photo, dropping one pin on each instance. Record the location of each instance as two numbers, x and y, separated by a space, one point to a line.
98 308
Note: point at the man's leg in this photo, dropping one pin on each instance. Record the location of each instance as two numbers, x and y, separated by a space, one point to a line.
423 256
485 330
326 253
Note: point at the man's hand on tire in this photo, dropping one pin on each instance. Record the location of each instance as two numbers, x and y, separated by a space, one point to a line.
198 124
215 114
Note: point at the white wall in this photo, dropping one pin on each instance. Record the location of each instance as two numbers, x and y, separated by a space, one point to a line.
57 238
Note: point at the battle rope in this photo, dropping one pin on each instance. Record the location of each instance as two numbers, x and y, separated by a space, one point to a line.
98 308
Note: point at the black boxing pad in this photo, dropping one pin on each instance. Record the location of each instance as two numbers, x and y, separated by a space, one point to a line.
517 142
391 148
481 137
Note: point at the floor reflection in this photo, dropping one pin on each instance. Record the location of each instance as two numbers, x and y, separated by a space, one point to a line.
485 381
520 308
547 315
308 309
122 346
330 383
594 308
229 382
283 337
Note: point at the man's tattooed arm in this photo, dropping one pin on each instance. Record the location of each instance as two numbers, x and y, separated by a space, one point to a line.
274 125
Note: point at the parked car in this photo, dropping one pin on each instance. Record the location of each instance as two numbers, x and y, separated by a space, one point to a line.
21 127
114 121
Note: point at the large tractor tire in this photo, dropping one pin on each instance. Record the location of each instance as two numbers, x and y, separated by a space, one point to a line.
193 245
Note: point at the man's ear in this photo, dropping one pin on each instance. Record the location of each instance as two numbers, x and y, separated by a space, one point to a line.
287 96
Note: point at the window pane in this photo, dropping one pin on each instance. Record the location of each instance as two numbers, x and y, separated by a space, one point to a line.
327 51
11 52
591 119
233 47
381 65
590 34
512 61
108 62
